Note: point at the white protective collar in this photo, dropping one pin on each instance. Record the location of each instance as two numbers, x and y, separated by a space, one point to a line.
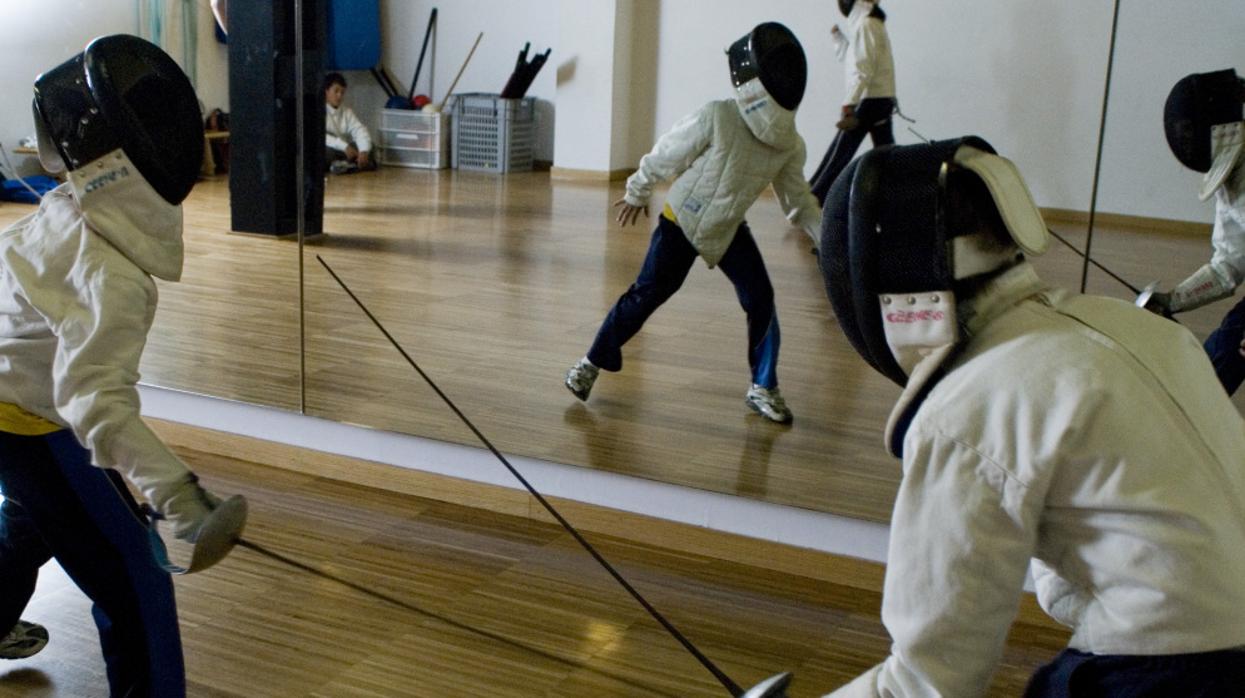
1225 150
768 120
119 204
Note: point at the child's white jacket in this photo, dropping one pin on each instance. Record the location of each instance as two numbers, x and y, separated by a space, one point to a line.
76 302
724 155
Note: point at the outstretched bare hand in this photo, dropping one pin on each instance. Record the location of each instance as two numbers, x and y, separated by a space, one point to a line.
628 214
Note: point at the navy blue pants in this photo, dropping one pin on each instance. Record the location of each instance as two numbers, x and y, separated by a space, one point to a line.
873 118
1223 346
670 258
59 505
1074 674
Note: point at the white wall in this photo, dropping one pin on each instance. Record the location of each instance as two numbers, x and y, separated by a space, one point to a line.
1160 43
957 72
1028 76
36 36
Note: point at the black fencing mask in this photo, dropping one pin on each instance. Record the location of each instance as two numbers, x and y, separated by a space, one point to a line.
771 53
122 92
1194 106
899 235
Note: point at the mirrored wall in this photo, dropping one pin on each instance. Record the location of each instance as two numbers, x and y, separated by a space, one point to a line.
229 327
496 283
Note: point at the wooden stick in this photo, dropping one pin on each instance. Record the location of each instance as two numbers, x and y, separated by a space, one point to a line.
450 91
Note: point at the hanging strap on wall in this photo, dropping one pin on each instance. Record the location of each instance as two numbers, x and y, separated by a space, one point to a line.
151 19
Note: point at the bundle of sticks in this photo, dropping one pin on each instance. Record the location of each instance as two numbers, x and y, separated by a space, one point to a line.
524 73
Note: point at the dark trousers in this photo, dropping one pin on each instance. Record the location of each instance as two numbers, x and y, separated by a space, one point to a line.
670 258
1224 347
1074 674
59 505
873 118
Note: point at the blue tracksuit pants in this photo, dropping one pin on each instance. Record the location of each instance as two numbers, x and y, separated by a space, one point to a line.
670 258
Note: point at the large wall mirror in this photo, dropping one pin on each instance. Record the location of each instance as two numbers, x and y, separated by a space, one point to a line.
496 283
229 328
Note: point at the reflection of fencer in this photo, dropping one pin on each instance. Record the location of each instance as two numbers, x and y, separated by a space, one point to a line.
724 156
1206 131
1034 423
870 98
76 301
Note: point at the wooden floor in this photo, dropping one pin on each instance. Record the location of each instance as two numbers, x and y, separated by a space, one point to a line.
496 284
491 605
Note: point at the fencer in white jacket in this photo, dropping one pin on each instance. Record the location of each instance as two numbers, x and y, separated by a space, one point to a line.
1225 272
77 299
722 156
870 98
1037 424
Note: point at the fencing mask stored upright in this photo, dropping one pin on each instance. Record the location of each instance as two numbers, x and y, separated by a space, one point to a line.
899 236
122 93
771 53
1196 104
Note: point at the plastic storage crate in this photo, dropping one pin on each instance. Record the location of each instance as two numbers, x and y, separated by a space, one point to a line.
492 134
414 139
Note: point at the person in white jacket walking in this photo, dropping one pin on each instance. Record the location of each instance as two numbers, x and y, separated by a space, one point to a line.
77 299
869 101
723 155
1077 431
346 139
1215 146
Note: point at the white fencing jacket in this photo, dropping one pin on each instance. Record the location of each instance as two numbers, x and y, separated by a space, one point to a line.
724 155
76 302
869 67
1088 434
342 127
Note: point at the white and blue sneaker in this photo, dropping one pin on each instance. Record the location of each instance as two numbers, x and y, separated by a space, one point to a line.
769 403
580 377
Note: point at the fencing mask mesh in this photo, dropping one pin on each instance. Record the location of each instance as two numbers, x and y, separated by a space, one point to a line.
773 54
900 220
123 92
1195 104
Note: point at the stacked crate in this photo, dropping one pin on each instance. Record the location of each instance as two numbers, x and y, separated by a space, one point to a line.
492 134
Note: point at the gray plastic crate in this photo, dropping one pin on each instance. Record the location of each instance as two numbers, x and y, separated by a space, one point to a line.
492 134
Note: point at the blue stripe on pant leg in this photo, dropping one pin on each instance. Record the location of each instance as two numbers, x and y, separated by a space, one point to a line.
135 608
745 267
764 356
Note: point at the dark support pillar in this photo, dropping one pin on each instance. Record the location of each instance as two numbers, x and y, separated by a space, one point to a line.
263 137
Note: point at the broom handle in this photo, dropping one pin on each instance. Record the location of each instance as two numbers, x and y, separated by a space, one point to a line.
450 91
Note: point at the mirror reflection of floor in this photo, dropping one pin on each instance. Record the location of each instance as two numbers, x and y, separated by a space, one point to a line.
495 284
492 605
